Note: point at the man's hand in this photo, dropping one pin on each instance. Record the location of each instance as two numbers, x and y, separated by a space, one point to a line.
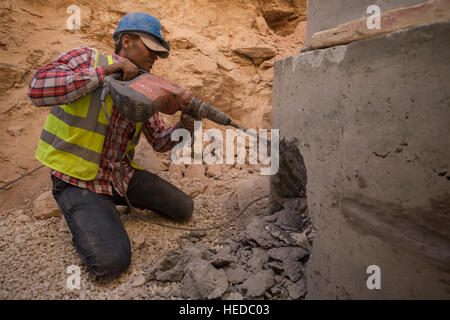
187 121
128 68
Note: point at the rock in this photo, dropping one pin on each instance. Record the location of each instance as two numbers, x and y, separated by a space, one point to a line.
236 275
300 239
222 259
214 170
169 268
15 131
268 64
251 188
21 216
281 235
226 64
195 171
259 283
234 296
198 250
185 39
176 171
261 25
203 281
289 219
196 189
139 240
10 75
253 46
290 257
298 289
276 266
256 232
193 236
258 259
45 206
139 281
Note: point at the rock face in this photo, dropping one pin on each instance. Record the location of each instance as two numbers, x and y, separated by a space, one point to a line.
45 206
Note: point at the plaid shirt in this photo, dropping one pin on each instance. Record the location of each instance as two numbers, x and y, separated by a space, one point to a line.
68 78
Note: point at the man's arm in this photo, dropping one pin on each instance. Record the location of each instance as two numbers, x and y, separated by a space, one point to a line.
71 76
158 135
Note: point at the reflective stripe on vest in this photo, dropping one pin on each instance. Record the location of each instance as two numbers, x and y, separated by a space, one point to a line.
73 136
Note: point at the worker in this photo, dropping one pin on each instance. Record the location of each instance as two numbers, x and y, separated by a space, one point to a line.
83 151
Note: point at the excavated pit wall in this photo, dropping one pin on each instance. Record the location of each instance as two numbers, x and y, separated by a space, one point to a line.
371 121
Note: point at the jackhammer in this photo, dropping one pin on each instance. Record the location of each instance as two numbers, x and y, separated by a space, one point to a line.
140 98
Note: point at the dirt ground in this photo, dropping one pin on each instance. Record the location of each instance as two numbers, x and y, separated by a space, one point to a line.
219 52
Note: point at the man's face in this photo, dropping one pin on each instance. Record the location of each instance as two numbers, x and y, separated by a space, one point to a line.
138 53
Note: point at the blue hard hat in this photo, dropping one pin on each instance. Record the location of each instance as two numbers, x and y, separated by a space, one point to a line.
141 22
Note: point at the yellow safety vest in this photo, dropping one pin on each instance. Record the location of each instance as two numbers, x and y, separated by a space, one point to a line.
73 136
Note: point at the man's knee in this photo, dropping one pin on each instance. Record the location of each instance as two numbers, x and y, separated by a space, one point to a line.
185 208
111 264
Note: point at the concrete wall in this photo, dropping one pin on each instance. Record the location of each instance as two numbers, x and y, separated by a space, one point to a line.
372 120
327 14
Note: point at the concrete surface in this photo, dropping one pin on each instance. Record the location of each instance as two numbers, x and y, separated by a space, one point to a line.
372 122
324 15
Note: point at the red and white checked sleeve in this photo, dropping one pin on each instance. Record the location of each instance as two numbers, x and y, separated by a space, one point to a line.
66 79
158 135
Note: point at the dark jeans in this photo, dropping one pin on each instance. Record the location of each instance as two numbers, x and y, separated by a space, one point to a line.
99 235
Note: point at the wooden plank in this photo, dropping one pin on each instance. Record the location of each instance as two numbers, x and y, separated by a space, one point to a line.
394 20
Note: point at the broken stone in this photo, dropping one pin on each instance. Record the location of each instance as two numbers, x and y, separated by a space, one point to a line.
214 170
139 240
139 281
258 259
256 232
276 266
298 289
222 259
196 189
289 219
259 283
233 296
290 257
45 206
280 234
198 250
236 275
176 170
251 188
174 275
195 171
300 239
203 281
261 25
